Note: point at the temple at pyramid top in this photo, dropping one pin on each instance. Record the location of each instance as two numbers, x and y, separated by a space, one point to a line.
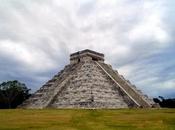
86 54
88 82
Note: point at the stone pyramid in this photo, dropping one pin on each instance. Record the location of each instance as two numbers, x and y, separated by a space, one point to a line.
87 82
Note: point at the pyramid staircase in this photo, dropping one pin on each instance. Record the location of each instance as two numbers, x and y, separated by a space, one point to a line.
42 97
87 82
135 95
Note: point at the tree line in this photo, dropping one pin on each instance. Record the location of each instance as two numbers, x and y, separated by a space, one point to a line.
14 93
168 103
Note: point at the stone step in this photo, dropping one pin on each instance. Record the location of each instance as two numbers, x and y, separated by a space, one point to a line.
47 89
122 81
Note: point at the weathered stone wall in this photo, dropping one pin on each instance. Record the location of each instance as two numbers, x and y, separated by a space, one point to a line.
87 82
42 97
137 96
89 88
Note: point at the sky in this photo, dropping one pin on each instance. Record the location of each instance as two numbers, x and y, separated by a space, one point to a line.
137 38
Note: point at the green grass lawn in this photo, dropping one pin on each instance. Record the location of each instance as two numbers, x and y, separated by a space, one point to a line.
79 119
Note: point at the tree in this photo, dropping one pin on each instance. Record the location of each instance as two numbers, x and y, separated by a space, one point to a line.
12 94
169 103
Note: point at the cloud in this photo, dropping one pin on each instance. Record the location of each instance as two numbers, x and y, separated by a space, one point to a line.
154 74
36 38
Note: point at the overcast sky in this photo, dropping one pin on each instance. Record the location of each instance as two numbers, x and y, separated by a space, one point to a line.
137 38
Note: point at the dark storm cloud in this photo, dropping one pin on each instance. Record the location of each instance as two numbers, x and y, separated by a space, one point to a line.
36 38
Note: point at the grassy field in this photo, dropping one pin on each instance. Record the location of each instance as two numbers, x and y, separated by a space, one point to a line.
78 119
